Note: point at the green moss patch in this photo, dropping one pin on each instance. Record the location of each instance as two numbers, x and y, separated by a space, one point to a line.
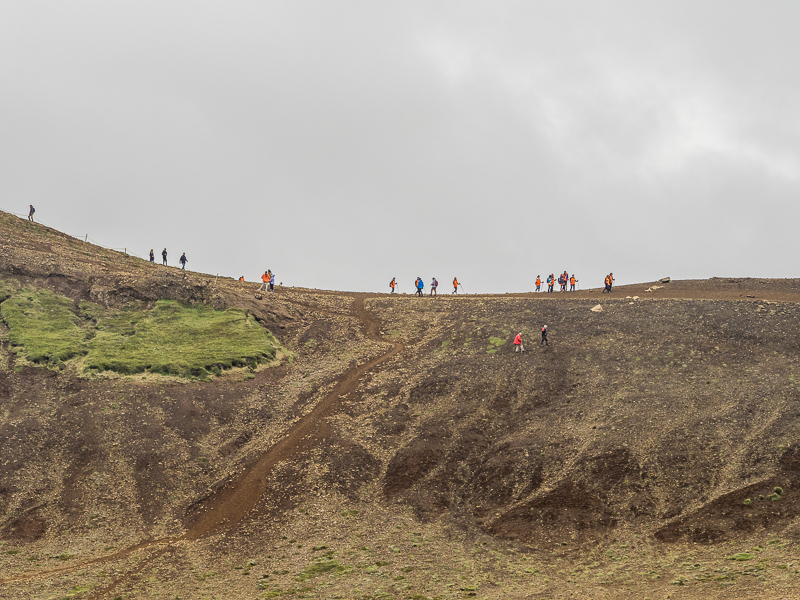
44 326
169 338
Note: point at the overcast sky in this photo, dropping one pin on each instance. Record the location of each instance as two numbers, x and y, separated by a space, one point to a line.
341 143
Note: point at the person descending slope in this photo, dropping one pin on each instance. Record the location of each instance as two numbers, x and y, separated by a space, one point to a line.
152 256
538 283
544 337
393 283
30 213
183 260
518 347
455 285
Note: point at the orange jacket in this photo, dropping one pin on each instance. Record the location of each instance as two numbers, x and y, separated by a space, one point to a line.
393 283
538 281
265 278
455 282
572 280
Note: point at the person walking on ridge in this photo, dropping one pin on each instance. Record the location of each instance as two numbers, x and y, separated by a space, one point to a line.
609 282
518 347
538 283
152 256
434 285
544 337
271 282
164 257
420 286
241 278
264 281
455 285
393 283
183 260
30 213
551 280
572 282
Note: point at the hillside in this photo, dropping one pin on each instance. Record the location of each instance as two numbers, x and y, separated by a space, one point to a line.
344 445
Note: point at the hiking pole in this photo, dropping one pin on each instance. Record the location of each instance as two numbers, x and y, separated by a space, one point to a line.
462 289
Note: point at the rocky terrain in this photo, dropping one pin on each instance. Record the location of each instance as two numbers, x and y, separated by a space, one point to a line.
402 449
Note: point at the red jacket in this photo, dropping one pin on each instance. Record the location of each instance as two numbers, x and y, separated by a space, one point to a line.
518 339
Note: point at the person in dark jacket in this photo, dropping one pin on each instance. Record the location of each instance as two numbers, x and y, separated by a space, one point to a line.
544 337
183 260
152 256
30 213
164 256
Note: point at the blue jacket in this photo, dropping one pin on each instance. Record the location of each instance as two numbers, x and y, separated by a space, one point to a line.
420 284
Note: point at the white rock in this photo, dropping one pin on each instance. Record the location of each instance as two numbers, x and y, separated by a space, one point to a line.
597 308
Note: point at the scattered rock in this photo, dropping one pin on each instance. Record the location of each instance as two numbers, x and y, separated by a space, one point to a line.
597 308
259 297
664 280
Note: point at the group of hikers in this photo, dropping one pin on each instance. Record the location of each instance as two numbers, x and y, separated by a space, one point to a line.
183 260
268 281
564 280
419 286
518 347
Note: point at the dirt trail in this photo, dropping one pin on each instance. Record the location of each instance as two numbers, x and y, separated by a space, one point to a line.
225 509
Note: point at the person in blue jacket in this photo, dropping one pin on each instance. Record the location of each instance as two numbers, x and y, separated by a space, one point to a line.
420 286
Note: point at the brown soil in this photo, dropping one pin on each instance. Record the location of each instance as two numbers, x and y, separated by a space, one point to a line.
408 452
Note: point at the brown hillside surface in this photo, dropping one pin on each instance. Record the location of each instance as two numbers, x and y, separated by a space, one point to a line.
407 451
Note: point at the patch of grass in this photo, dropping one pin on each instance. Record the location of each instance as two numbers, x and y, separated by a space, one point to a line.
179 340
44 326
741 556
497 342
323 566
170 338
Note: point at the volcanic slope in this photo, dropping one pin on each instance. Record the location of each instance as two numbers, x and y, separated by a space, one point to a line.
398 448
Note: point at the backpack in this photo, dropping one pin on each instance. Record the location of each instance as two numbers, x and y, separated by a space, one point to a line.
435 283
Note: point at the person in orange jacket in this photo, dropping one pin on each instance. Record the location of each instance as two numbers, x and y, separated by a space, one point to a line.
393 283
572 281
538 283
265 279
241 278
455 285
518 347
609 282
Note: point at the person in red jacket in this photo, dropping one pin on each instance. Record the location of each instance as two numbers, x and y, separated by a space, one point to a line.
518 347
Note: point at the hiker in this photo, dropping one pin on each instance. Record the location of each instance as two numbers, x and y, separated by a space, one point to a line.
264 281
420 286
30 213
434 285
393 283
518 347
164 256
152 256
550 282
183 260
544 336
609 282
561 283
572 282
271 282
538 283
241 278
455 285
